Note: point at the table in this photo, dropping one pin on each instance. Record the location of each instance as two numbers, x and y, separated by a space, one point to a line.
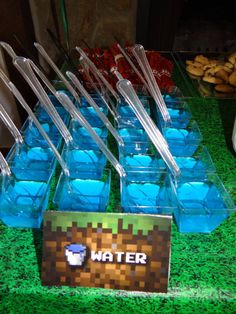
203 267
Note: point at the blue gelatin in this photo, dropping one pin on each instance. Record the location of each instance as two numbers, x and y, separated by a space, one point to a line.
91 116
43 116
86 195
84 163
135 140
138 165
33 138
127 117
201 206
31 163
95 97
23 203
148 196
82 138
182 142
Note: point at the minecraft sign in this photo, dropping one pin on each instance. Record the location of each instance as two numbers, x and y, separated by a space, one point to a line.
115 251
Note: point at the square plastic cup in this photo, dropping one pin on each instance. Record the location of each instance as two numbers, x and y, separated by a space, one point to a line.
82 138
183 142
33 138
179 113
201 204
149 195
31 163
43 116
95 97
22 203
87 195
127 116
135 140
91 116
84 163
139 165
199 165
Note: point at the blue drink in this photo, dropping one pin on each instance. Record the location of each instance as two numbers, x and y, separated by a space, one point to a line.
31 163
84 163
23 203
202 205
88 195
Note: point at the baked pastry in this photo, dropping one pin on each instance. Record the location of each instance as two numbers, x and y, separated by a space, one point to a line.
212 80
196 71
232 78
224 88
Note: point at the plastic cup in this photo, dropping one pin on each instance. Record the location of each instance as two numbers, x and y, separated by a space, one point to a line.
91 116
31 163
149 194
127 116
135 140
179 113
201 204
183 142
82 138
199 165
84 163
22 203
33 138
87 195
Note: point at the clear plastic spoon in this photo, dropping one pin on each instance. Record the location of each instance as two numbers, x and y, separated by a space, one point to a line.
21 100
70 107
22 64
98 73
96 108
126 89
101 93
140 55
44 54
133 67
5 169
10 125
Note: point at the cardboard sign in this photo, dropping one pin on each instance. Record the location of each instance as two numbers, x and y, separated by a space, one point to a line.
115 251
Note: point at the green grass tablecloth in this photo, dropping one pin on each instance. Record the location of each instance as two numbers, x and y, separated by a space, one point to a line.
203 267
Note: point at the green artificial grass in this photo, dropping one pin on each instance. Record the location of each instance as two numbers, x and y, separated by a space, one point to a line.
203 266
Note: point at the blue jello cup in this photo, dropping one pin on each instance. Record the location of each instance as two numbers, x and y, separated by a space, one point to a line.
150 194
135 140
127 117
179 113
199 165
87 195
33 138
31 163
201 204
82 138
139 165
84 163
91 116
183 142
22 203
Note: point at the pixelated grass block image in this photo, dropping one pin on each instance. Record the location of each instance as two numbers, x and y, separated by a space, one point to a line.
114 251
